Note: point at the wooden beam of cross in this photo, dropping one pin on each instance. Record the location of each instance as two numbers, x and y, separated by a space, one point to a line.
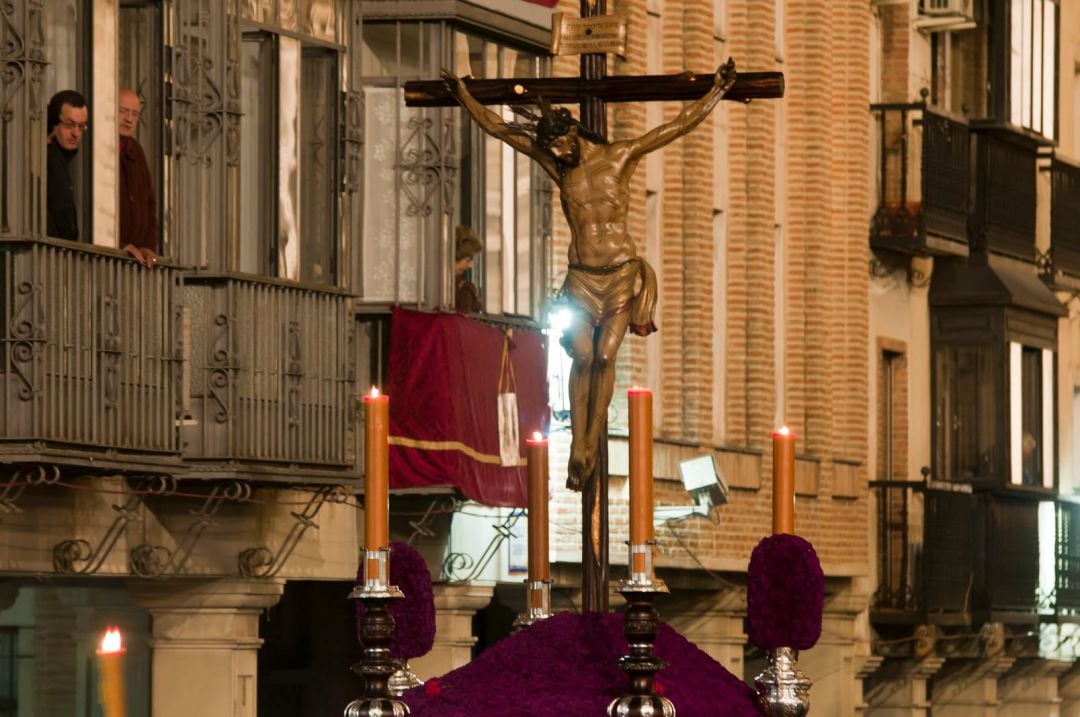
592 90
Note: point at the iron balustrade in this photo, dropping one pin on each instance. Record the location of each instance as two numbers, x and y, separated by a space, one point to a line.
1065 215
1067 557
898 555
922 177
89 351
272 373
1005 194
953 552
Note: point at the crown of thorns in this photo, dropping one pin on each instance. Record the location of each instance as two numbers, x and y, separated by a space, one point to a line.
550 124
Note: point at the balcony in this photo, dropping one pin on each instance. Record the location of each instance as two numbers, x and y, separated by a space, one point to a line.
271 380
1065 217
954 557
1005 192
89 358
922 182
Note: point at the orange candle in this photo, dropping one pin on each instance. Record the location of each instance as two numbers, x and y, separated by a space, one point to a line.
536 452
641 471
783 467
376 472
110 657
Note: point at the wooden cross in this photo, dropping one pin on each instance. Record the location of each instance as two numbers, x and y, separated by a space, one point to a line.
592 90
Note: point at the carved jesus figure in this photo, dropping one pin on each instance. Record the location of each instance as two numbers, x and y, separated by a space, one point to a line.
608 284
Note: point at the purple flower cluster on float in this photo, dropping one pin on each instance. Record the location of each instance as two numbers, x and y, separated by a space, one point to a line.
414 616
785 593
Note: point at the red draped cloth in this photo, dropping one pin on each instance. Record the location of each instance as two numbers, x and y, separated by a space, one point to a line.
443 379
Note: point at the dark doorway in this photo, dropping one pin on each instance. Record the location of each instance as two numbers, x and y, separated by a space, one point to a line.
310 642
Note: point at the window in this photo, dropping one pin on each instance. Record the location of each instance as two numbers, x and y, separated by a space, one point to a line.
506 201
1032 65
258 167
139 61
289 196
1031 415
966 412
67 48
318 162
428 170
892 413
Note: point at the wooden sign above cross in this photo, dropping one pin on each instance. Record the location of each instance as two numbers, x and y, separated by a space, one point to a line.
611 288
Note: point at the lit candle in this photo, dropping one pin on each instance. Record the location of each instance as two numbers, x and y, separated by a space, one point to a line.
783 468
536 451
376 474
641 472
110 657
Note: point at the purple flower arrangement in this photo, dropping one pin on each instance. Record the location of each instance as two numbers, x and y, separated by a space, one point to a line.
414 616
785 593
568 665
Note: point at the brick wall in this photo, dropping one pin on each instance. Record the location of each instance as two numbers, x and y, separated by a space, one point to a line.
825 170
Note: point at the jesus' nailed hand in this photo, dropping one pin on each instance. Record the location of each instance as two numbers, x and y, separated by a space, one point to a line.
608 285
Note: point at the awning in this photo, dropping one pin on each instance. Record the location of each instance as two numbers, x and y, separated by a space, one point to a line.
443 379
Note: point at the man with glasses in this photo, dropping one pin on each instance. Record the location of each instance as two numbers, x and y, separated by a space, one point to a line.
138 206
66 122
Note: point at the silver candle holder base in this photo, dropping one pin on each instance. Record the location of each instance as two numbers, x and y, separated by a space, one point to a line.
641 623
376 628
538 601
782 688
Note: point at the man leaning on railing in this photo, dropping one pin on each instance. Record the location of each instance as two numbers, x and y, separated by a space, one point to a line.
138 206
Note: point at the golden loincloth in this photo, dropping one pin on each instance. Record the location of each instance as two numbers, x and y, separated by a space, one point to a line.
604 291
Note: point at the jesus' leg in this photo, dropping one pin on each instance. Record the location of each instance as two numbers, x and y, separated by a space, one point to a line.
580 348
609 336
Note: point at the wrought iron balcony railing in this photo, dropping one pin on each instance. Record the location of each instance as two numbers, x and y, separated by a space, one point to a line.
1006 192
89 356
923 174
1067 557
272 377
1065 216
955 555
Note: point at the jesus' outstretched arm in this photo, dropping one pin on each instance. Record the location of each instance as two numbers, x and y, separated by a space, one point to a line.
494 125
691 116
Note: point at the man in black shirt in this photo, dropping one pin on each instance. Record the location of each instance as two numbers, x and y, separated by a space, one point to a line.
67 115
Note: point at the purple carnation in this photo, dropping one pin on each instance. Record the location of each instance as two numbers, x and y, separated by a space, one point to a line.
568 664
414 616
785 593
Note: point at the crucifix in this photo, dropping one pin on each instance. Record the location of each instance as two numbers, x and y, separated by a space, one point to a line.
608 285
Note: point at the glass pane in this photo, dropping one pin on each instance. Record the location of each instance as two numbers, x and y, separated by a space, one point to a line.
1031 416
1049 61
966 415
1025 60
1015 63
320 19
390 247
264 11
258 173
379 54
1037 44
318 124
524 236
493 230
288 187
139 60
287 15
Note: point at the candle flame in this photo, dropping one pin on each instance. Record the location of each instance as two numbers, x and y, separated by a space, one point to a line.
639 389
374 392
537 436
111 643
784 431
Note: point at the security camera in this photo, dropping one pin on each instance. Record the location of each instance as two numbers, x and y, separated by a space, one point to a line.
706 486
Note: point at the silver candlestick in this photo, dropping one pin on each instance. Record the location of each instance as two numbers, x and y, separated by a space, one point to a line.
376 633
782 688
